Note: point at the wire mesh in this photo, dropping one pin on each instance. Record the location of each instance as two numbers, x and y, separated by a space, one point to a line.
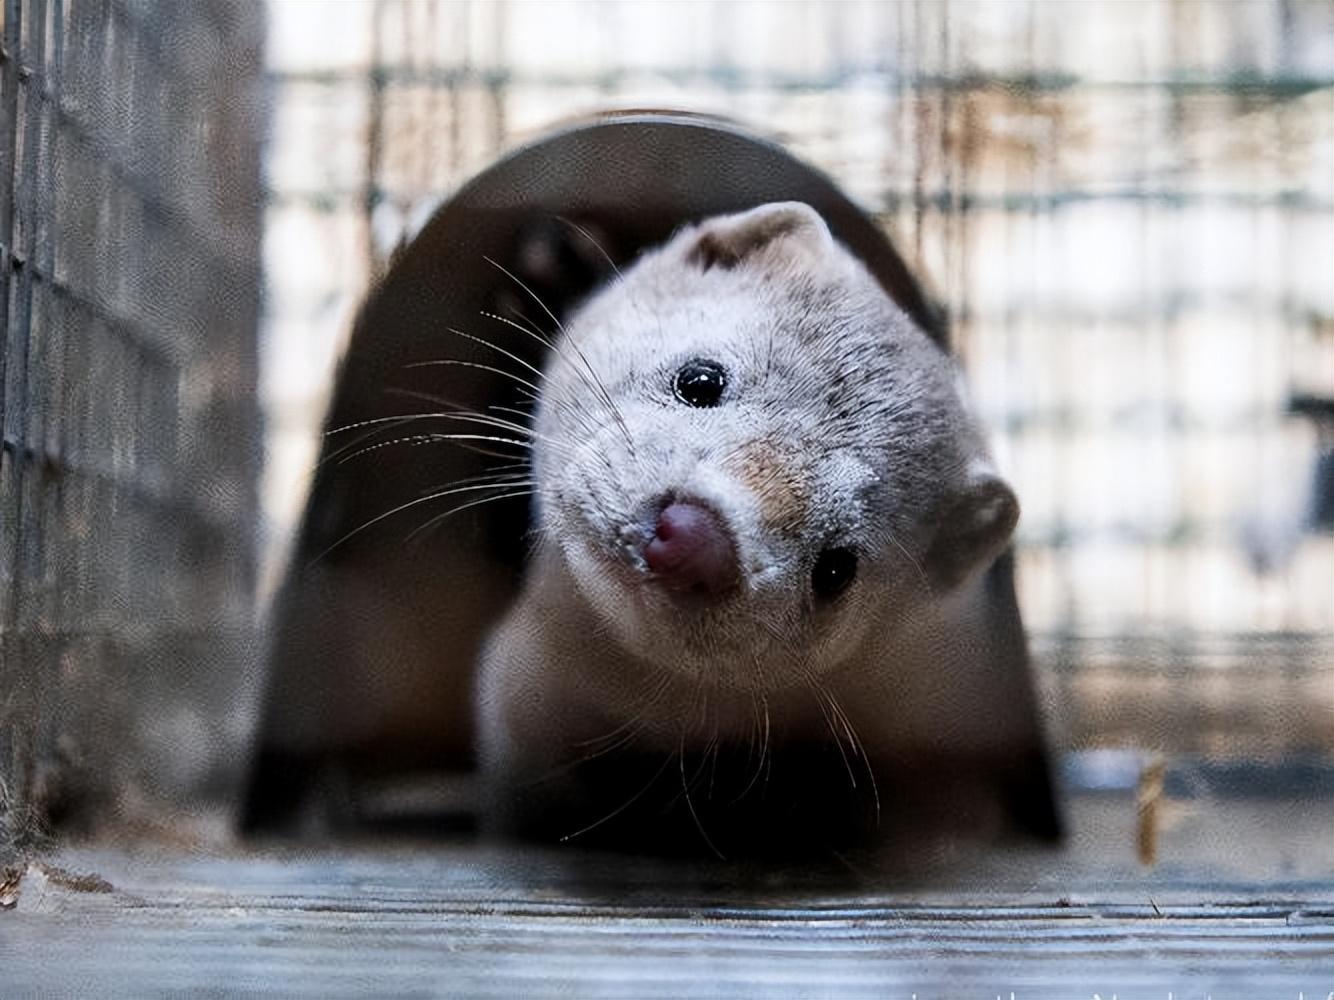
129 281
1127 210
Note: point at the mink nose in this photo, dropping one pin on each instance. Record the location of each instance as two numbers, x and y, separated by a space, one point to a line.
690 551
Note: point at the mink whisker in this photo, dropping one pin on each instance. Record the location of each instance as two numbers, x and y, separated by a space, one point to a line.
589 236
623 806
535 334
526 387
598 384
859 748
500 350
395 510
619 736
685 791
838 740
553 344
411 440
434 521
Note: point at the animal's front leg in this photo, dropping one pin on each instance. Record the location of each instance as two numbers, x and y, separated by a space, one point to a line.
541 734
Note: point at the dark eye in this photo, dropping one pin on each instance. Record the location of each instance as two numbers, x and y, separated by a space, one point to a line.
834 570
700 382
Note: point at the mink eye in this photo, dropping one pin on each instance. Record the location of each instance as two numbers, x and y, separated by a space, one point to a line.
700 382
834 570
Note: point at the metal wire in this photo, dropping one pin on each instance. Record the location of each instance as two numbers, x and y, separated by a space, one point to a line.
129 282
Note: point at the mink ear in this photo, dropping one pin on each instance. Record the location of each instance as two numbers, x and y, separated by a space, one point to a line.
784 226
973 530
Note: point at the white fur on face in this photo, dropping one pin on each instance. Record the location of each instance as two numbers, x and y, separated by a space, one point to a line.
840 427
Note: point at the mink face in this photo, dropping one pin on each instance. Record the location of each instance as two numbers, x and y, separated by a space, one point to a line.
747 456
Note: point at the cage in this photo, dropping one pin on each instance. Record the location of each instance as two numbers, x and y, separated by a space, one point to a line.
130 427
1124 211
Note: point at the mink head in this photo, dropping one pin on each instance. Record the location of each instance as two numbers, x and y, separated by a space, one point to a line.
748 456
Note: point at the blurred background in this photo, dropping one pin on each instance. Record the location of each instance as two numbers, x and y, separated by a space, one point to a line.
1126 210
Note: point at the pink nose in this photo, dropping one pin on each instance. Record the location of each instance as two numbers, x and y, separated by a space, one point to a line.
690 551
